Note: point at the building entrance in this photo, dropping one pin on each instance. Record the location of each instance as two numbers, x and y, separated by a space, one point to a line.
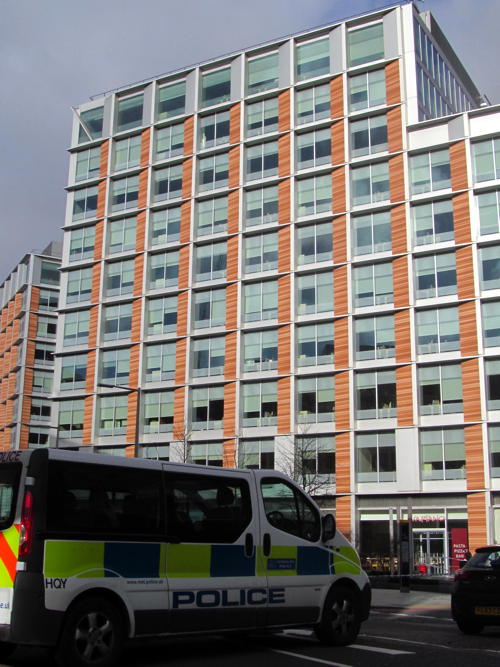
430 551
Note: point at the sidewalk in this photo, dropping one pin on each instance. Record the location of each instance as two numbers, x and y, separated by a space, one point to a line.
413 601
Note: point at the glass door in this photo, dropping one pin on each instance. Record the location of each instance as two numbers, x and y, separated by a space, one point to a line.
430 551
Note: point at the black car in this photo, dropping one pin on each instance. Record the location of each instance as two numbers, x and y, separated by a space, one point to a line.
475 597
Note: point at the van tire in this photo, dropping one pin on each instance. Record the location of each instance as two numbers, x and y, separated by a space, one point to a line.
341 617
92 636
6 650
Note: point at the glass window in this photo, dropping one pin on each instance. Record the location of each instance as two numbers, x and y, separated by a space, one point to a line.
438 330
163 270
368 135
262 117
40 409
44 354
119 278
494 443
208 356
79 286
76 328
49 273
314 195
440 389
376 457
486 157
314 148
370 184
165 225
488 204
121 235
375 337
215 87
87 164
171 100
315 344
207 408
214 129
367 90
315 399
90 124
430 171
129 112
372 233
124 193
261 206
71 419
207 454
313 104
313 59
443 453
127 153
260 350
433 223
213 172
289 510
117 321
169 141
115 366
365 44
113 411
209 308
492 369
158 412
315 243
167 183
260 404
491 323
162 315
38 437
42 382
436 275
84 203
46 327
262 73
159 362
262 160
81 244
315 293
489 260
73 372
314 462
211 216
376 395
256 454
373 285
261 301
210 261
261 252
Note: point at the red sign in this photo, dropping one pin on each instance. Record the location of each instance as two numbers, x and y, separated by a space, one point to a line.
459 547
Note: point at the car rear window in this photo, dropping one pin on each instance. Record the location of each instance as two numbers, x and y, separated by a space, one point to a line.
10 474
485 559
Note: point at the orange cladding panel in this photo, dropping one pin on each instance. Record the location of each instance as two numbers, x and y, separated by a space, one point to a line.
341 342
185 231
187 177
343 462
461 218
470 390
392 85
465 272
284 163
468 329
338 149
90 370
284 248
138 274
234 167
402 335
232 258
458 166
135 334
338 190
233 212
400 282
98 240
284 350
189 135
284 298
394 130
140 232
336 97
101 199
104 159
284 201
229 453
342 403
180 361
340 239
343 515
145 144
180 431
231 349
398 230
404 396
234 123
183 280
229 409
477 520
93 320
182 313
284 405
474 457
397 178
284 111
232 306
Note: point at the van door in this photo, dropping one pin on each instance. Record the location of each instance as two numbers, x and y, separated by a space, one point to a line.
212 531
297 565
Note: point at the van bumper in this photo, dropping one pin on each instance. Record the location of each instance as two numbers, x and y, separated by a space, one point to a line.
31 623
366 600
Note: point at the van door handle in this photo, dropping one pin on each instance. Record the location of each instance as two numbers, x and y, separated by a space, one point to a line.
267 544
249 545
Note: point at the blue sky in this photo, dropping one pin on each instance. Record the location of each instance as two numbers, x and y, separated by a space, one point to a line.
55 54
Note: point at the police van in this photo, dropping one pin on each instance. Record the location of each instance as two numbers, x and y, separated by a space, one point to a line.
95 550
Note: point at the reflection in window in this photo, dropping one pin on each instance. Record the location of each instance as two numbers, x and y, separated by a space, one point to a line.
171 100
261 252
162 315
81 245
127 153
121 235
261 206
207 408
169 142
256 454
368 136
129 112
215 87
211 216
440 389
262 160
491 323
158 412
214 129
165 225
117 321
376 457
315 344
260 349
208 356
370 184
262 117
314 195
213 172
260 404
443 453
313 59
494 444
316 399
90 124
430 171
167 183
365 44
314 148
488 204
376 395
313 104
260 301
373 285
433 223
486 155
113 411
438 330
163 270
372 233
124 193
492 370
85 203
88 164
262 73
375 337
367 90
159 362
315 293
210 261
489 260
436 275
209 308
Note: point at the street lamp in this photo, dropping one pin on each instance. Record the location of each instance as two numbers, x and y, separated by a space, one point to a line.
129 390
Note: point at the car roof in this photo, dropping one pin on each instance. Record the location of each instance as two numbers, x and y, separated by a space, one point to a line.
490 547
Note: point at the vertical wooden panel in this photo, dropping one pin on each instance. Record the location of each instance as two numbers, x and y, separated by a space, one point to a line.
189 135
185 231
284 405
284 118
284 349
138 274
468 328
140 232
340 291
180 430
477 520
91 368
338 148
404 395
465 273
104 159
284 159
32 325
341 342
392 85
340 239
461 218
284 201
229 409
233 212
134 366
231 342
232 258
187 178
342 463
30 355
336 97
396 178
135 334
338 190
232 306
400 282
394 130
93 320
342 403
99 240
180 361
88 419
184 267
470 390
145 147
402 334
229 453
235 123
284 249
398 230
284 298
474 456
343 515
101 199
182 313
458 166
234 167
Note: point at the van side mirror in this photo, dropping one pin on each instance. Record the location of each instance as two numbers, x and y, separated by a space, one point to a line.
329 527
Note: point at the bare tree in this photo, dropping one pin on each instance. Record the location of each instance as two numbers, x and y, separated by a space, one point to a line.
301 460
180 445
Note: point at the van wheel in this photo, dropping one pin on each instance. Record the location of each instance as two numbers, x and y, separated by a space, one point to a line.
341 617
92 635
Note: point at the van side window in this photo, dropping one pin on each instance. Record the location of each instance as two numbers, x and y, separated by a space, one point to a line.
202 508
114 501
289 510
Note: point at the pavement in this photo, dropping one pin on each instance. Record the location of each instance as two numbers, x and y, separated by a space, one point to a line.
411 601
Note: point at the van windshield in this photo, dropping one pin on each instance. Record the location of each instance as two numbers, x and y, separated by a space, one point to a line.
10 474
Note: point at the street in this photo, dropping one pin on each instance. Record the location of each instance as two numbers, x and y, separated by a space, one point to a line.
412 627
